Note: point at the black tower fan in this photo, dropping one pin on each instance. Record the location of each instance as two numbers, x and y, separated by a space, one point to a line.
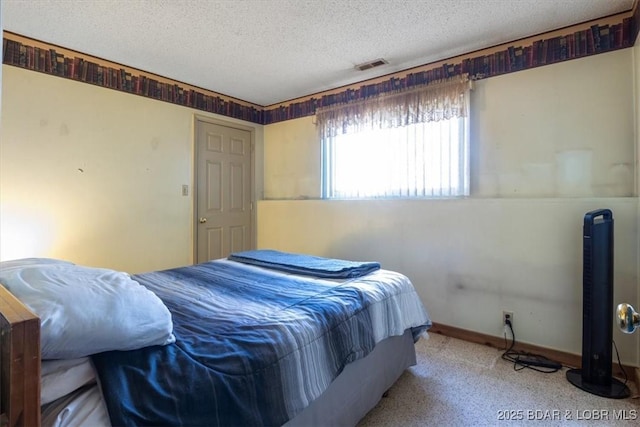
597 309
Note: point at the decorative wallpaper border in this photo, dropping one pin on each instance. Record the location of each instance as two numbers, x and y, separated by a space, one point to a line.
88 70
578 44
598 38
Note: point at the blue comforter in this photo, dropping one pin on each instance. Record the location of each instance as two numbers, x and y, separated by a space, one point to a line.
253 346
306 264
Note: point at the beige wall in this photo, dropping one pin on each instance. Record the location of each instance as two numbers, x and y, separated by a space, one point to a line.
292 169
549 144
557 131
565 130
94 175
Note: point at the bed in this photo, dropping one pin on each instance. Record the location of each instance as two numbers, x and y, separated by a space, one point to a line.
261 338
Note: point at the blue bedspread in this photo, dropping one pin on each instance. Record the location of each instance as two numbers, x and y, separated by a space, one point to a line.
253 347
305 264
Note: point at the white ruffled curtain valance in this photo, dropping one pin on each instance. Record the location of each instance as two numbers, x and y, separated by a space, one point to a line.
435 101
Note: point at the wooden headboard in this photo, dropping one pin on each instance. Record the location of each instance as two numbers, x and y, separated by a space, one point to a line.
19 363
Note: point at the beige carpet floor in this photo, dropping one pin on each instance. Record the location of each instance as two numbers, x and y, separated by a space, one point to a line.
458 383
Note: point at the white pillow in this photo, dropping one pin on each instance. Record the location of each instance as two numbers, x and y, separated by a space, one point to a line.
86 310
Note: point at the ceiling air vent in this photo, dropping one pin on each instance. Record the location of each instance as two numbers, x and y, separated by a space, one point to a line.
371 64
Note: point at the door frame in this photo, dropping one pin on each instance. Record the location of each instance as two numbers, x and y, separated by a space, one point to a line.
194 187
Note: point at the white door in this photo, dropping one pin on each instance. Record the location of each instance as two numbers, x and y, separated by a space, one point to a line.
223 190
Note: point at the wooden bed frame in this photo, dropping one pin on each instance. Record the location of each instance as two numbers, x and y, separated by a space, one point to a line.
19 363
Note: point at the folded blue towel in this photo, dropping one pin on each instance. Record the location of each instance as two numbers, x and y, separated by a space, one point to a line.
305 264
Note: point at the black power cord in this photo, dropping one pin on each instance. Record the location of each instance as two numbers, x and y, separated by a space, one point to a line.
523 360
624 373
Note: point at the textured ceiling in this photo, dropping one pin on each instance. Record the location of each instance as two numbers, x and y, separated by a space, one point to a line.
269 51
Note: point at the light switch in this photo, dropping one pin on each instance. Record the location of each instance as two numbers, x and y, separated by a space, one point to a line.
185 190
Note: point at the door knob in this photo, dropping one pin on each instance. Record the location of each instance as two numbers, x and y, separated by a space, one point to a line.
628 318
202 220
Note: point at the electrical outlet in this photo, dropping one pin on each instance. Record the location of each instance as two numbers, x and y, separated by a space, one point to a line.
507 315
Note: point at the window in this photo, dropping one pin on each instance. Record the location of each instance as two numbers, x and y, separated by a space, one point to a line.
380 151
